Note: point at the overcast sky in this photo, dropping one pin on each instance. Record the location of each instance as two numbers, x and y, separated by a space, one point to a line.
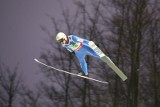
21 37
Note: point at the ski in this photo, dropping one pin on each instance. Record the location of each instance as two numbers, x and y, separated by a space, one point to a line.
114 68
89 78
108 61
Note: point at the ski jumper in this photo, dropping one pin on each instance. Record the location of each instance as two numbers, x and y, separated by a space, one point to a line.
81 48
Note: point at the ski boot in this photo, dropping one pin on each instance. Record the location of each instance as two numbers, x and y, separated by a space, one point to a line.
82 74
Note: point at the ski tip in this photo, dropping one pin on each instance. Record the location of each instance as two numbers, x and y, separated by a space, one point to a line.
36 59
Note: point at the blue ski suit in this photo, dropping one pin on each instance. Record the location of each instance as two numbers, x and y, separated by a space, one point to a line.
81 48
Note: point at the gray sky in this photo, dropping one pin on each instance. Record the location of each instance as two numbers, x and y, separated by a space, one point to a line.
21 37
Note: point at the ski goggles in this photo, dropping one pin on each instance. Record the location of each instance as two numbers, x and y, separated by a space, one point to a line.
61 40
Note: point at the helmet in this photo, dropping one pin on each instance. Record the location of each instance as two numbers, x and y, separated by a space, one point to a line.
61 35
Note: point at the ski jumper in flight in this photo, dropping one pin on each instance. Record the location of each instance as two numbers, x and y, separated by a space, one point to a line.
80 47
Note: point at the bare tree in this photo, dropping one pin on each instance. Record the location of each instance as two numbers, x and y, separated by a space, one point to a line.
9 85
131 22
63 61
30 98
153 59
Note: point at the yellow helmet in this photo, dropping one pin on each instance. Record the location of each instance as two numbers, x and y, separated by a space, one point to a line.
61 35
